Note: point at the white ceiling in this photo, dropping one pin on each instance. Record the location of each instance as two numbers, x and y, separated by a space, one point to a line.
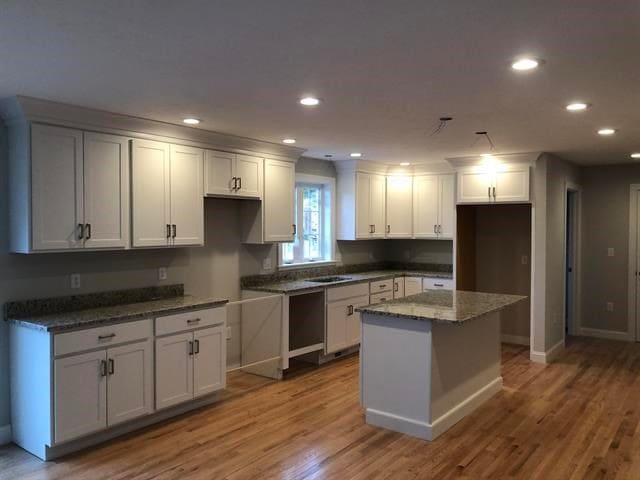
386 69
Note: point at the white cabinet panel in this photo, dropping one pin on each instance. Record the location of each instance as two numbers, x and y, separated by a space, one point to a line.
474 187
380 297
219 172
249 173
412 285
364 224
106 191
209 360
130 384
426 206
187 203
447 206
509 183
56 187
80 398
174 369
377 209
279 184
512 185
399 207
437 283
353 329
336 329
398 287
150 193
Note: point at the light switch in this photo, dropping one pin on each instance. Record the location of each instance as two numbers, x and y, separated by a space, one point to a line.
266 263
610 252
162 273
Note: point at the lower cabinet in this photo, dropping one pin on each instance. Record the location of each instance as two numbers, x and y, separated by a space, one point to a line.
412 285
429 283
343 323
398 287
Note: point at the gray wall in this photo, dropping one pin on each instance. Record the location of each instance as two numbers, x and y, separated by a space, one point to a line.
420 251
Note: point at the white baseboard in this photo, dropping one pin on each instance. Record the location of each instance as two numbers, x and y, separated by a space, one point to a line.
5 434
431 431
610 334
515 339
548 356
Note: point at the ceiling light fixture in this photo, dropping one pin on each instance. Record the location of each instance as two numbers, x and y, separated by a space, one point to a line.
289 140
355 155
309 101
635 155
405 164
191 121
577 106
606 131
524 64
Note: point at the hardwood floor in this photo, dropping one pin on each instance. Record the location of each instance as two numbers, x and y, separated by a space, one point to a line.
577 418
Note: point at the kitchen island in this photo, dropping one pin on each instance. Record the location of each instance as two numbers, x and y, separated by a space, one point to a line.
428 360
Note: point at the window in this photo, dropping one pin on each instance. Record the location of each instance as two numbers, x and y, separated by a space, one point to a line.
313 213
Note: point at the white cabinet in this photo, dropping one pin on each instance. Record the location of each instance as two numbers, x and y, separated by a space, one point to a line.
232 175
398 287
399 207
168 205
434 205
79 191
412 285
209 360
343 323
361 205
429 283
510 183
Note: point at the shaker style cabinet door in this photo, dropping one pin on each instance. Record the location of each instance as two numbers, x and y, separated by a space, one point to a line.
249 173
174 369
186 198
377 205
218 173
399 207
474 187
447 206
364 226
278 202
209 360
425 204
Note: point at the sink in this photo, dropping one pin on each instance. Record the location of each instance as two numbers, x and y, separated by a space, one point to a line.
329 279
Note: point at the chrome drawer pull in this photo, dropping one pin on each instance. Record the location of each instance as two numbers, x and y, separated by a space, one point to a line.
106 337
438 285
193 320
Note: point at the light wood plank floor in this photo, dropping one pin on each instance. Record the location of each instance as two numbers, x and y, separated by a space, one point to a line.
577 418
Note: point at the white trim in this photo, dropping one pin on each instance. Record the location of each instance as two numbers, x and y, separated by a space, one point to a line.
576 324
515 339
548 356
633 330
5 434
610 334
299 266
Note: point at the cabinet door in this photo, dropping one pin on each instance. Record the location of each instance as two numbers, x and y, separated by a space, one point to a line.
130 382
56 172
249 172
106 190
364 226
187 200
412 285
377 205
80 399
336 329
353 320
399 207
512 185
150 193
474 187
209 360
425 205
398 287
174 369
218 173
279 184
447 207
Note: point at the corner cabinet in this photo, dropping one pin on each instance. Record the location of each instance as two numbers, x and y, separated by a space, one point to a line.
232 175
433 206
508 185
167 196
361 206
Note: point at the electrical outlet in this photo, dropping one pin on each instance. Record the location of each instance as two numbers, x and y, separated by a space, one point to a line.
162 273
610 252
75 280
266 264
228 333
524 259
609 306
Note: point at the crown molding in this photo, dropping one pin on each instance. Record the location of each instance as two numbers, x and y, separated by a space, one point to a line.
528 158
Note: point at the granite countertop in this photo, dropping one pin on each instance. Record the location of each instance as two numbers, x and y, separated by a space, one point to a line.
306 284
445 306
106 315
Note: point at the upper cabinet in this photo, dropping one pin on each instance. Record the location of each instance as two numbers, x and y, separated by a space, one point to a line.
232 175
361 206
399 207
433 206
509 184
69 190
167 196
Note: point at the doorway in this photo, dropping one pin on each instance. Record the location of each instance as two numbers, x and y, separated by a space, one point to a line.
572 244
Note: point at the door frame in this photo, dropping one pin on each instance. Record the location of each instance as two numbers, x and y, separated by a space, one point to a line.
576 326
632 327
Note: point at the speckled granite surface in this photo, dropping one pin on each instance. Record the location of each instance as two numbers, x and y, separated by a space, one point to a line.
453 307
77 312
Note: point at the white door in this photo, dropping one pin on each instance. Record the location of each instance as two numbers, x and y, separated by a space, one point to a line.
130 381
150 193
336 329
353 320
399 207
398 287
377 205
279 185
249 173
474 187
209 360
364 227
56 192
174 369
106 191
412 285
80 398
512 185
219 173
425 206
187 200
447 207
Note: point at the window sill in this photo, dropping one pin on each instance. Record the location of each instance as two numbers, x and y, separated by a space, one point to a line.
297 266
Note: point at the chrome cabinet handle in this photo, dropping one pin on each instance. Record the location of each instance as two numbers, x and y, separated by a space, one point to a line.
494 192
350 310
388 228
112 366
168 231
439 228
190 348
374 228
103 368
295 229
382 286
489 192
435 229
235 183
370 228
81 231
239 183
396 286
197 346
175 230
88 230
106 337
193 320
438 285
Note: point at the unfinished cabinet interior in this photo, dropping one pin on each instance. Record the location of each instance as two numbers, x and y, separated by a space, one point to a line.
232 175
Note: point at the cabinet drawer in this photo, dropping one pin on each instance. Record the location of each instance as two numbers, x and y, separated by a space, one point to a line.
437 283
348 291
190 320
381 286
380 297
106 336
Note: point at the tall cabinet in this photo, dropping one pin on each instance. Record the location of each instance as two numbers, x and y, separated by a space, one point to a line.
361 205
433 206
399 207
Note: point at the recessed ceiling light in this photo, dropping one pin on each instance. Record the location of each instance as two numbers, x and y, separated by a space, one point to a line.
355 154
191 121
606 131
577 106
289 140
635 155
523 64
310 101
405 164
